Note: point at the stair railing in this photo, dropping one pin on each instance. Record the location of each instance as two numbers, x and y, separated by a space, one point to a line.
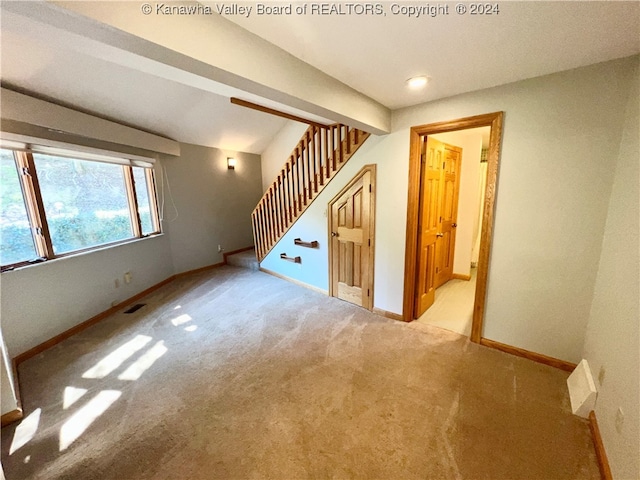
316 159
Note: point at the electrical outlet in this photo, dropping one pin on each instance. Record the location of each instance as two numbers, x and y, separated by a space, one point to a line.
619 420
601 374
219 248
127 277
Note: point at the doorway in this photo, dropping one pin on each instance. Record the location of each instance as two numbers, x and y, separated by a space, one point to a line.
454 297
413 286
351 247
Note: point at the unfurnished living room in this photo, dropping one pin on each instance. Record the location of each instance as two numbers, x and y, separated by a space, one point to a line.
294 240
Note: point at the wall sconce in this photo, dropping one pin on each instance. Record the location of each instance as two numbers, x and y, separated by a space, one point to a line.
231 163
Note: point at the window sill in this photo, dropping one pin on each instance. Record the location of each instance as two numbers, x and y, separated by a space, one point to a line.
80 253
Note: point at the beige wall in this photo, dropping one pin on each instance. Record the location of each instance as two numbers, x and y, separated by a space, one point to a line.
554 183
612 342
8 399
277 153
207 205
40 301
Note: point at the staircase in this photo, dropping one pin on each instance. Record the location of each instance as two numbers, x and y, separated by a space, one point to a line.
316 159
246 259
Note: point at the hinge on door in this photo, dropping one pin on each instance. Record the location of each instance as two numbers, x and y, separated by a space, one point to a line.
443 165
369 242
368 292
369 188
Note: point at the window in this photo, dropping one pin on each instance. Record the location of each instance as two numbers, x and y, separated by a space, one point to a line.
54 204
16 241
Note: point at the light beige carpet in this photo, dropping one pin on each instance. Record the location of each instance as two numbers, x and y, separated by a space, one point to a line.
239 375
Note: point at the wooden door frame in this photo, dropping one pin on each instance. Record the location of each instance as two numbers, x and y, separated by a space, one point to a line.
372 227
493 120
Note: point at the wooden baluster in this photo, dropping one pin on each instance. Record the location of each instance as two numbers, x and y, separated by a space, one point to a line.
276 204
304 153
355 136
319 136
308 158
289 192
255 231
267 218
327 154
331 152
307 168
263 246
272 218
294 191
348 133
274 213
283 205
263 232
340 146
258 243
316 159
298 177
294 185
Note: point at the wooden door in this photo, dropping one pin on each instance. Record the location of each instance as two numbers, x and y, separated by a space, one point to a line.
446 241
428 222
351 225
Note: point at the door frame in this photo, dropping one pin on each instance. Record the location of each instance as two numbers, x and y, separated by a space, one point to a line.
493 120
372 232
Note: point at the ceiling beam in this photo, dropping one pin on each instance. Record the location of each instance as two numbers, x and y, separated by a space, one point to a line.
271 111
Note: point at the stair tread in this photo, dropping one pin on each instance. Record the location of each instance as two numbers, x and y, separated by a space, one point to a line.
245 259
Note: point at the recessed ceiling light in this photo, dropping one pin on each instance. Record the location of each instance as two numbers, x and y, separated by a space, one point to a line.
417 82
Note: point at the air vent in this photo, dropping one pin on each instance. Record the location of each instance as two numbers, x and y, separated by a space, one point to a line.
135 308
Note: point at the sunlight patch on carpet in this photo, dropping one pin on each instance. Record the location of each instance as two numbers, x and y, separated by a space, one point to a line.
80 421
71 396
181 319
191 328
25 431
112 361
137 368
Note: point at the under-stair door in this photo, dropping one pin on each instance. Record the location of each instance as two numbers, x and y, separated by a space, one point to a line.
351 223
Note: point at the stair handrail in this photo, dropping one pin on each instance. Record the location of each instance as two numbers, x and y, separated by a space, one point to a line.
318 156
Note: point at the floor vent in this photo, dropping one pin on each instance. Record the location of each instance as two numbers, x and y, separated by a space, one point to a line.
135 308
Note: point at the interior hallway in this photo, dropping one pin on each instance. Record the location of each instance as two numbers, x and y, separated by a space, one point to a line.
236 374
453 307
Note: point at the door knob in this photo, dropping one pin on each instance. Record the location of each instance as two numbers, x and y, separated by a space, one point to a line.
454 225
439 234
334 234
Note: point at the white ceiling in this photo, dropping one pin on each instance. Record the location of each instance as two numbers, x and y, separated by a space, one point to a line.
133 97
373 55
461 53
